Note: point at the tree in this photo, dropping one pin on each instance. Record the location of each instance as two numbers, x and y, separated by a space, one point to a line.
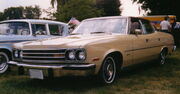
107 7
28 12
110 7
161 7
58 2
13 13
32 12
81 9
1 16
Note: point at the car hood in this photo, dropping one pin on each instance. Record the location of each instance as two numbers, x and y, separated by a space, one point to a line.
72 41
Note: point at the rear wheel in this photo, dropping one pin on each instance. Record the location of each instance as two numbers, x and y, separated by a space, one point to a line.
108 70
162 57
3 62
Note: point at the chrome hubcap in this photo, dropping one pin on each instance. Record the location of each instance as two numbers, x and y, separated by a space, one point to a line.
3 62
163 58
109 69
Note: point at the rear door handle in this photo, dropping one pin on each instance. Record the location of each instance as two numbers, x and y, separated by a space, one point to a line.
147 40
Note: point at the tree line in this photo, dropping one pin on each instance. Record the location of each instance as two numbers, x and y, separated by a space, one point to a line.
20 12
82 9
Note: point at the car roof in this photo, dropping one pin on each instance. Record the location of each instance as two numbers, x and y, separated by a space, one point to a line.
109 17
34 21
114 17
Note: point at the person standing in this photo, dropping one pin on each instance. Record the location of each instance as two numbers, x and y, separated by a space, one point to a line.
165 26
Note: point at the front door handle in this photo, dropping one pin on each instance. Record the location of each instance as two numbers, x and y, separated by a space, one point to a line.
147 40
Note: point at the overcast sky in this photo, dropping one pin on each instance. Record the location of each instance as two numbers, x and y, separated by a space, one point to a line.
128 8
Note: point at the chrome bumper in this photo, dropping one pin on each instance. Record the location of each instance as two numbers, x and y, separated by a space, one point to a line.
55 70
60 66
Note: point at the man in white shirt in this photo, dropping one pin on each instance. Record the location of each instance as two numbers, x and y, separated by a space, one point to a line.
165 26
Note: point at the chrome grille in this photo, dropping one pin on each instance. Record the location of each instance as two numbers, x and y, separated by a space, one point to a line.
43 56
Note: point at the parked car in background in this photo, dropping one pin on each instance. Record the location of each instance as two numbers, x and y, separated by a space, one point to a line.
98 46
14 31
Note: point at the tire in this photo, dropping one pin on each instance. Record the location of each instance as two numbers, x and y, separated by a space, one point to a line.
3 62
108 71
162 57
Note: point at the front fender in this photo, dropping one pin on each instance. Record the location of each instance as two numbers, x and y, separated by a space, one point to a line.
6 47
100 53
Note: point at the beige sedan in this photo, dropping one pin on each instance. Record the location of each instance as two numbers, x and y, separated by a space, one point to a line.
98 46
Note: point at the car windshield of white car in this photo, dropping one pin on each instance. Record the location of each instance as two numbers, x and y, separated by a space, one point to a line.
14 28
102 26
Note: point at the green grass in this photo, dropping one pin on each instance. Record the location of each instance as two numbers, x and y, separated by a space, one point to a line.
147 79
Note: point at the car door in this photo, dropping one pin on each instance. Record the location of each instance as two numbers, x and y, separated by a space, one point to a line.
14 32
152 40
140 42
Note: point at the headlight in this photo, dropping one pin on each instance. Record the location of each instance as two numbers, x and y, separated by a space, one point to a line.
71 55
81 55
16 53
20 54
76 54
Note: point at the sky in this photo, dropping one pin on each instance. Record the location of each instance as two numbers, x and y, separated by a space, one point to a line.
128 9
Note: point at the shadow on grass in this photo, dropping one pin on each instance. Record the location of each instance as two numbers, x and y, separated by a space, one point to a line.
153 69
62 84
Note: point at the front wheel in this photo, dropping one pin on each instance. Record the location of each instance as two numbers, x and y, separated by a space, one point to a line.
3 62
108 70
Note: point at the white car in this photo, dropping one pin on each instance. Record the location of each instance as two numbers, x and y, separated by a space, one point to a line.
14 31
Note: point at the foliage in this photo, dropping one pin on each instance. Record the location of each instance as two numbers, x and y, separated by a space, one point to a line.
13 13
161 7
58 2
32 12
1 16
21 12
81 9
110 7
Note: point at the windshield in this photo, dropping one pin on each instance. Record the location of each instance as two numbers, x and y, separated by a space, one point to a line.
102 26
14 28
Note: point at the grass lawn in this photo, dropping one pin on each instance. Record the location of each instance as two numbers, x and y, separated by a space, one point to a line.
147 79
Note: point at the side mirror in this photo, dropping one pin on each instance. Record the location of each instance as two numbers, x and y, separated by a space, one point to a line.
138 31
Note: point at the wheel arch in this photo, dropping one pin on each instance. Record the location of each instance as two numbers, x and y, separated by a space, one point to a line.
164 48
118 57
7 51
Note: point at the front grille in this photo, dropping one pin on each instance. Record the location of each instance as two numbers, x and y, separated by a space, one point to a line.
43 56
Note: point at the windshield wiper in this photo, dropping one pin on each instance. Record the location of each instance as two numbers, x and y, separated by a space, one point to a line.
97 32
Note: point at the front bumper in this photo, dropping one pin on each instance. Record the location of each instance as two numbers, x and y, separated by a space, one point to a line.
59 69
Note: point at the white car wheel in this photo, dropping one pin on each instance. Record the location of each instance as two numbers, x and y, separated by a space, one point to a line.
3 62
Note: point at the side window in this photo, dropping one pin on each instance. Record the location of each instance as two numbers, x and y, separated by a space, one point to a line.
14 28
55 29
135 26
39 29
147 26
